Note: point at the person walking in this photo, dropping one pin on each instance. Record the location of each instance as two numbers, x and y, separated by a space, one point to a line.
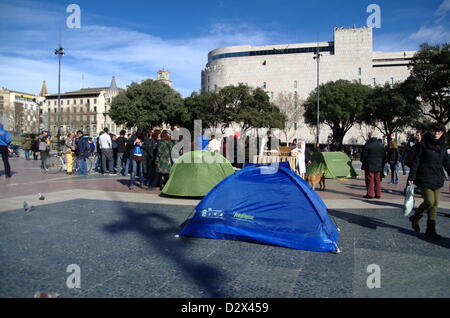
82 151
70 147
163 160
5 141
26 146
105 144
393 157
373 158
427 173
44 148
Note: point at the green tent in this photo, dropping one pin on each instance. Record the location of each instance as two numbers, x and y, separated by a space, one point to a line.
195 173
333 164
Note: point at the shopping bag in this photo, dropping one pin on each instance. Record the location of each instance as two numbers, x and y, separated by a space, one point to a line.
408 205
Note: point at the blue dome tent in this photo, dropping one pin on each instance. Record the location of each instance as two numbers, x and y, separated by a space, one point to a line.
268 205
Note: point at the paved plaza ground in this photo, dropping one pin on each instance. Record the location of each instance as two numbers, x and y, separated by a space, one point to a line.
125 244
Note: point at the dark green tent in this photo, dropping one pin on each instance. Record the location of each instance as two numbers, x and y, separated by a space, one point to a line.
333 164
195 173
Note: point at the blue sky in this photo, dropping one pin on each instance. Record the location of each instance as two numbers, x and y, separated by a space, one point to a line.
134 39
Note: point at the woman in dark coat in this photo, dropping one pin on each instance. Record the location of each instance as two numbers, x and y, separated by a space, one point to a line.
427 172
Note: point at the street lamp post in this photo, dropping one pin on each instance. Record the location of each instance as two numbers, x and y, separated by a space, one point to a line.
60 52
317 58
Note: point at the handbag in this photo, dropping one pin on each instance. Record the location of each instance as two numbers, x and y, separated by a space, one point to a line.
137 155
408 205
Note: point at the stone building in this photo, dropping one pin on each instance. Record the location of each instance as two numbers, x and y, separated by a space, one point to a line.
85 109
291 70
18 111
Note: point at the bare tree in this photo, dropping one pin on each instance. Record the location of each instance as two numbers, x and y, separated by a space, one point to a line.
292 107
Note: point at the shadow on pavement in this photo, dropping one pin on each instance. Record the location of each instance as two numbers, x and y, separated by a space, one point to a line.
373 223
158 231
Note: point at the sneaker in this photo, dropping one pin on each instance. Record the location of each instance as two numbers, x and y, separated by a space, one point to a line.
130 187
367 197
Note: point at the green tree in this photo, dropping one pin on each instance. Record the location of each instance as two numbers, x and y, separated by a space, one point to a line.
147 104
341 106
429 80
208 107
389 109
251 108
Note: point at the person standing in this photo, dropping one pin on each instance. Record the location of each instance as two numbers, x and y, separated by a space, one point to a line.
134 144
373 158
163 160
82 151
214 144
105 144
5 141
69 147
427 172
393 158
121 147
301 158
26 146
35 148
44 147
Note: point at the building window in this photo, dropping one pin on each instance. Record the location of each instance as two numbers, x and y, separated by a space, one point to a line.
265 85
271 95
359 81
95 100
374 81
295 84
81 101
359 71
95 109
74 101
392 80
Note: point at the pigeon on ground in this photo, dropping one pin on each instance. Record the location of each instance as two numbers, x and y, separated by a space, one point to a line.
28 208
41 196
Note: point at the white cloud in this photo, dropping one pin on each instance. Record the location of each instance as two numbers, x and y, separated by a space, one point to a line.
433 34
444 7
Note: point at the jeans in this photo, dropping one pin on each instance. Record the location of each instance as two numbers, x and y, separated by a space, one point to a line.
83 166
107 154
27 153
394 172
135 166
126 167
119 162
44 155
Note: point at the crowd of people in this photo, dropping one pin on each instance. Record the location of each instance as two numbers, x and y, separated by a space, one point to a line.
147 157
427 158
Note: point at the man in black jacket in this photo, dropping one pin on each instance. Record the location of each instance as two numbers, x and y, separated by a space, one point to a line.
121 149
373 158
